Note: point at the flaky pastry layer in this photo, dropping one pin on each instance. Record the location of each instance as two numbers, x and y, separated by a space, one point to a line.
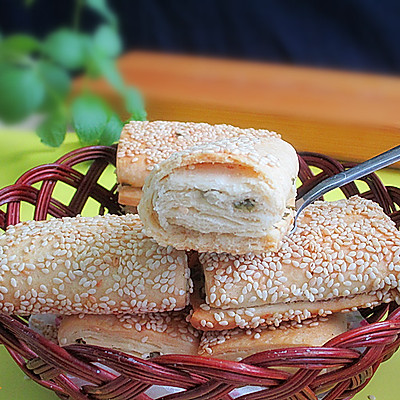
236 344
145 336
235 195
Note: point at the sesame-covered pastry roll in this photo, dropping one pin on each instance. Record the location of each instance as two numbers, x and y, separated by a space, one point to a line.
145 336
236 344
99 265
343 255
144 144
235 195
209 318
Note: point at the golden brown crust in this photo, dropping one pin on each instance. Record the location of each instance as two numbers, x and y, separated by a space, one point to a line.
237 344
132 171
100 265
129 196
143 335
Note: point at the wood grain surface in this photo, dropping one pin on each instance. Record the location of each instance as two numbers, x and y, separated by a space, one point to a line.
347 115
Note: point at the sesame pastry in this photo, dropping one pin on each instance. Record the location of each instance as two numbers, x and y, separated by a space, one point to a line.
144 144
344 255
147 335
235 195
99 265
236 344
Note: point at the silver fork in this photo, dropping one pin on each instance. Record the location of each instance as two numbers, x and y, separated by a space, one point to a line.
374 164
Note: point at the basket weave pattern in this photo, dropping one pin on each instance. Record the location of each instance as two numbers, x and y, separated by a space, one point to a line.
340 368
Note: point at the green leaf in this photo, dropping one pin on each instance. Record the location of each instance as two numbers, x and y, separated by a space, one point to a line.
21 93
91 57
90 116
19 44
56 80
52 130
112 130
101 7
107 41
134 104
66 48
108 69
100 65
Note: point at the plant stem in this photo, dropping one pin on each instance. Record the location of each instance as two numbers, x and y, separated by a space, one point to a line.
77 14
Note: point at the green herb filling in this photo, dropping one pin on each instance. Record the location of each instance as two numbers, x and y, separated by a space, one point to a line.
246 204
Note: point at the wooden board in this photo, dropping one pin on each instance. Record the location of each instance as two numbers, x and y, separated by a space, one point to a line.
350 116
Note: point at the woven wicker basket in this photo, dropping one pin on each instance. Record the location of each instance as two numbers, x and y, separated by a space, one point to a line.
339 369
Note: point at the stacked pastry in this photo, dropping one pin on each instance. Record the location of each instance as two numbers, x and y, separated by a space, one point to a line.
229 193
232 200
104 272
344 255
219 201
143 145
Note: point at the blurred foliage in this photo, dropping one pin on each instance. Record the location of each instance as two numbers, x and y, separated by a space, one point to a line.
35 78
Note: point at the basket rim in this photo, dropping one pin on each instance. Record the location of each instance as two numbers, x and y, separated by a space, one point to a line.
384 340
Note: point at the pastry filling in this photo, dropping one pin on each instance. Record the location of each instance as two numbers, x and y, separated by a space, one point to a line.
246 204
218 198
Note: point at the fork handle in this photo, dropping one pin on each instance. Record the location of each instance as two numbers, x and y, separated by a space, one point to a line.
378 162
